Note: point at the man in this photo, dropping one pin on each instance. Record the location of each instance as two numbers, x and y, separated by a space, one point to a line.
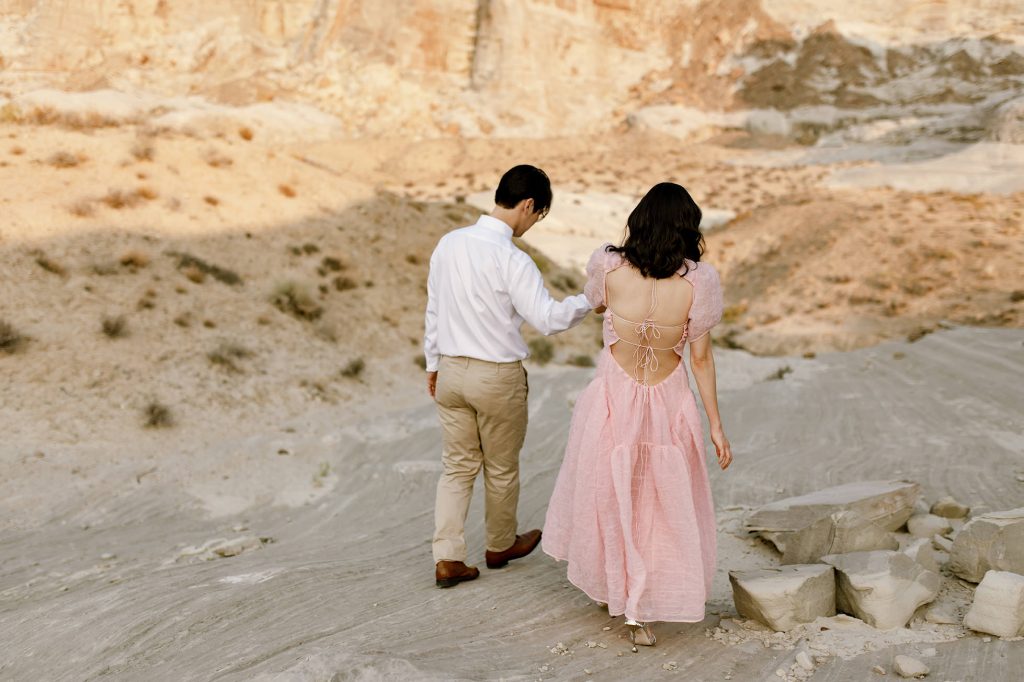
480 290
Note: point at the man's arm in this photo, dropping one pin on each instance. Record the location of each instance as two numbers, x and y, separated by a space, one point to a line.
533 302
430 351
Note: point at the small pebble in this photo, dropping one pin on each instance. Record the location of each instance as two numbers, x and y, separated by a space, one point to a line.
591 644
805 661
671 665
586 671
780 673
878 670
905 666
106 556
606 628
986 639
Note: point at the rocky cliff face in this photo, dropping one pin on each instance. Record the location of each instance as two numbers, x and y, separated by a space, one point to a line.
517 67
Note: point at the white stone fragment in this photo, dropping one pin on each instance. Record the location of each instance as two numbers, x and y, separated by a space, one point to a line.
949 508
905 666
945 544
786 596
804 661
838 533
927 525
884 504
883 588
920 550
998 607
990 541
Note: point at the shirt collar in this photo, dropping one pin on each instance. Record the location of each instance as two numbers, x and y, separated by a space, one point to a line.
495 225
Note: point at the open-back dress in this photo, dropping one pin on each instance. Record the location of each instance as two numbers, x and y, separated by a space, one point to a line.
631 511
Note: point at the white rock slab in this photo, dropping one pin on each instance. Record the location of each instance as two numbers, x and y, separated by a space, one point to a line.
784 597
927 525
905 666
993 541
885 504
998 607
838 533
883 588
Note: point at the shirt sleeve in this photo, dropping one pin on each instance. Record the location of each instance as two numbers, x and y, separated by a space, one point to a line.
430 320
534 303
706 309
597 268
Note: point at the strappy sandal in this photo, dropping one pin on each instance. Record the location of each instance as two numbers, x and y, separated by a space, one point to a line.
640 634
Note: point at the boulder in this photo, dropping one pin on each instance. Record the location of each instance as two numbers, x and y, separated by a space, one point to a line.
927 525
993 541
883 588
883 504
784 597
837 533
905 666
998 607
920 550
949 508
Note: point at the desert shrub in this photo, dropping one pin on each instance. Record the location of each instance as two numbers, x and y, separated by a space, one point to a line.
332 264
156 415
287 190
226 354
354 369
50 265
564 282
118 199
734 312
420 361
215 159
194 274
245 133
293 299
83 208
134 260
147 193
310 248
64 160
11 340
188 262
779 374
183 320
211 200
344 283
581 361
541 350
115 327
143 150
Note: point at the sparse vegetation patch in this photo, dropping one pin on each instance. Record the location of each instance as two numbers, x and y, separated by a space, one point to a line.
188 263
542 350
115 327
294 299
11 340
157 416
354 369
50 265
226 354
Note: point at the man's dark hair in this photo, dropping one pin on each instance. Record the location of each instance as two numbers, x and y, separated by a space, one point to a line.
524 182
664 230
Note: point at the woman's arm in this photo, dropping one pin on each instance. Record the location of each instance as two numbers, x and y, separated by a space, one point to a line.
702 363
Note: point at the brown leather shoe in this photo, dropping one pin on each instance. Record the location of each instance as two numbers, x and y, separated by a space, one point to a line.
524 544
451 573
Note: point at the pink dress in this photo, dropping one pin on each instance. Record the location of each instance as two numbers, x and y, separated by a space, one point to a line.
631 511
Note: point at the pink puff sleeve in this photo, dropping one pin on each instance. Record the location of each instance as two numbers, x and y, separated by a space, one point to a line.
706 310
597 268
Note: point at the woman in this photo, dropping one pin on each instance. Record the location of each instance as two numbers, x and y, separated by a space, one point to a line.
632 511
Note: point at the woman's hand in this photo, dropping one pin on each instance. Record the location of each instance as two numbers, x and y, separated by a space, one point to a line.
722 448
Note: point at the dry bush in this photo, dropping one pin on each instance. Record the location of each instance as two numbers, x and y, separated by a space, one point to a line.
83 208
564 282
294 299
50 265
183 320
287 190
65 160
581 361
189 263
11 340
225 355
134 260
779 374
143 150
420 361
216 159
354 369
211 200
17 151
157 416
115 327
344 283
541 350
148 300
245 133
330 264
310 248
194 274
118 199
147 193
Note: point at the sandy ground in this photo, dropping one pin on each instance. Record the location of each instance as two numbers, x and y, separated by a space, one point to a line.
340 587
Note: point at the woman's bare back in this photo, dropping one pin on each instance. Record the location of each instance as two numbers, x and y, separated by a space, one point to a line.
649 317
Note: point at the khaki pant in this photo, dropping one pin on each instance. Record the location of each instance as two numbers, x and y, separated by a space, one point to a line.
483 411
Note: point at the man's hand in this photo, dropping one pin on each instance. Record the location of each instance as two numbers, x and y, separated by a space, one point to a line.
432 383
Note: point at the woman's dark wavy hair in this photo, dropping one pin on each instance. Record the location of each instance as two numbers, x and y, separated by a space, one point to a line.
664 229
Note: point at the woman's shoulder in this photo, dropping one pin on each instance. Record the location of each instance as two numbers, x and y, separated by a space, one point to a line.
602 259
695 272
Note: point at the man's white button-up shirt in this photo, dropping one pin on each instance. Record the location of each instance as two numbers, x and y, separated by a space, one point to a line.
480 290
